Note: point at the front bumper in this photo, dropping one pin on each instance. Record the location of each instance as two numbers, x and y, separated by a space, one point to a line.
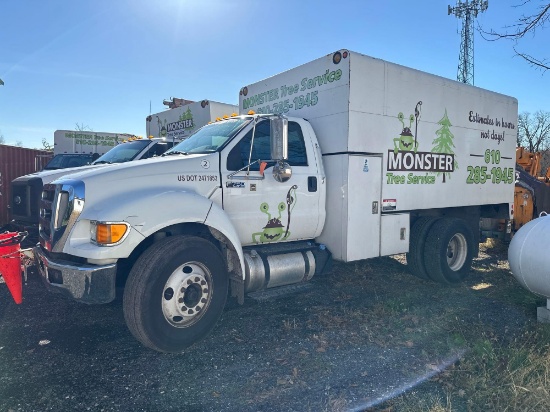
84 283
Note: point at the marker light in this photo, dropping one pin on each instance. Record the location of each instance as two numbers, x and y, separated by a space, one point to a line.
234 114
108 234
225 116
218 119
251 112
151 137
345 54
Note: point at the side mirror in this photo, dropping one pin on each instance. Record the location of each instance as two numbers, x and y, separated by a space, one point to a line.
279 138
282 171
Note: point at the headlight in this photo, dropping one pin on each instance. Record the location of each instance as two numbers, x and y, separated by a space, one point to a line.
108 233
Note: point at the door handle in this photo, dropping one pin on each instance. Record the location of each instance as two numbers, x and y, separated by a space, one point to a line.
312 183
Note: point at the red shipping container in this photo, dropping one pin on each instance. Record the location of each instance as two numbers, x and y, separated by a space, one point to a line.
15 162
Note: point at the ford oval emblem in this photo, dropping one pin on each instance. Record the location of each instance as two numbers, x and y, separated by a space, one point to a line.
17 200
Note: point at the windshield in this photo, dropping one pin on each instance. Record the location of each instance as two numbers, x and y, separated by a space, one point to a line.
123 152
63 161
211 137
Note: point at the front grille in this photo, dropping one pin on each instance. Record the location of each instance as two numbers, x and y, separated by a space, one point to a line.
60 207
46 208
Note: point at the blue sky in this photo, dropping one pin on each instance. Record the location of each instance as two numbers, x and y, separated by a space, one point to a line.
103 63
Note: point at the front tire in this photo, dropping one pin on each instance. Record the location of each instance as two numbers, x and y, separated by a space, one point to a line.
175 293
449 250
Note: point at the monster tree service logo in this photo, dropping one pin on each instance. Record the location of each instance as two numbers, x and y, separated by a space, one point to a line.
182 125
405 156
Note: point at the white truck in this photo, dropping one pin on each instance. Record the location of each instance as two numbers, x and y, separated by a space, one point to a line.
179 123
75 141
390 160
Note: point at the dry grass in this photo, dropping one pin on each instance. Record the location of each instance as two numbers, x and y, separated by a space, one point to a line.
496 374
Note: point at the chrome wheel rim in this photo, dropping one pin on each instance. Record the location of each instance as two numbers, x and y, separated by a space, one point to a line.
187 294
457 250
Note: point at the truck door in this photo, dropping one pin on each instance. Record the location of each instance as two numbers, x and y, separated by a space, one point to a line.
264 210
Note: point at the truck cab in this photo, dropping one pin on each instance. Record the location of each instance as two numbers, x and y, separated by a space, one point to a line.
228 190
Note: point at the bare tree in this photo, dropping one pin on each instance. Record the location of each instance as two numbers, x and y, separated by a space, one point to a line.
526 24
46 145
19 143
534 131
81 127
2 139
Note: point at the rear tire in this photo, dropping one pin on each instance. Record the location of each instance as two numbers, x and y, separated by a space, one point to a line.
449 250
175 293
415 256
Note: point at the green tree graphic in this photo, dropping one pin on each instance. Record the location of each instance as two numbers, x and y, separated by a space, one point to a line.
444 142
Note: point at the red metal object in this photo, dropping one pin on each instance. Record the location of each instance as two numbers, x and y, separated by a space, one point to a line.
15 162
10 263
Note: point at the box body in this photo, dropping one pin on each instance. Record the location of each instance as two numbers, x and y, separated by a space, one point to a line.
181 122
441 143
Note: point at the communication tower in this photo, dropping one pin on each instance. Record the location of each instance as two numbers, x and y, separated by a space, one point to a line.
467 10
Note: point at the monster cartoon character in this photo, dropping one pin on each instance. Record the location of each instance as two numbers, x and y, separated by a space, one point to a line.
406 141
162 128
274 229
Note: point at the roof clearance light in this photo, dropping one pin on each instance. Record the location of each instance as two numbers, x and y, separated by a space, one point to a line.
336 57
225 116
151 136
251 112
218 119
234 114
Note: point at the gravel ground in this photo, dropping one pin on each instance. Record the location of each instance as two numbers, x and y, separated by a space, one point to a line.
345 341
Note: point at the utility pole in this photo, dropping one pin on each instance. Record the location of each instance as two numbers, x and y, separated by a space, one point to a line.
467 10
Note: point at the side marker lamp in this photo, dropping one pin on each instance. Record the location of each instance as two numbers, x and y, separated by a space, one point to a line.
108 233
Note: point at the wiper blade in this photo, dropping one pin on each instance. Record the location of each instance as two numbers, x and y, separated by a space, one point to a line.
101 162
174 152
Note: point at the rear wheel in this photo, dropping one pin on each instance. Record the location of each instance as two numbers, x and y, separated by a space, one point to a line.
449 250
415 256
175 293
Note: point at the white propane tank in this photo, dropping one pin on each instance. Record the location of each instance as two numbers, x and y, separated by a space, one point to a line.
529 256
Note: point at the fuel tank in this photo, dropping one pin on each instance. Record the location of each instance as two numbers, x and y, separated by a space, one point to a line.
529 256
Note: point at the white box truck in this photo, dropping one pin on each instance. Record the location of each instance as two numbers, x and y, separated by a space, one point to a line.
75 141
179 123
390 160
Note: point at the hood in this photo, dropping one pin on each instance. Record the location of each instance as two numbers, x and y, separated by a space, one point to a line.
48 176
198 173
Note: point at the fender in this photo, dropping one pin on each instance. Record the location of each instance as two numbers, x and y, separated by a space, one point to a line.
147 211
218 219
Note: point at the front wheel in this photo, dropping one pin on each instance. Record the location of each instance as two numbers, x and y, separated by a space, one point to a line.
175 293
449 250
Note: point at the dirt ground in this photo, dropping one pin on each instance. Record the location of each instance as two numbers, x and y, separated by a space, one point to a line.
348 341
